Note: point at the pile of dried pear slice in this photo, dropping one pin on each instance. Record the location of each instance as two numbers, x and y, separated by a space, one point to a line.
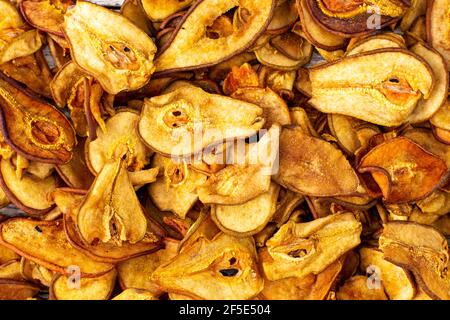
225 149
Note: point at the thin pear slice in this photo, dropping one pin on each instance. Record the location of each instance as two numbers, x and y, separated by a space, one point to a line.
176 189
438 27
312 166
249 218
120 132
298 249
33 128
248 175
158 10
109 47
422 250
426 108
188 119
45 243
111 210
358 288
222 268
10 18
381 86
189 47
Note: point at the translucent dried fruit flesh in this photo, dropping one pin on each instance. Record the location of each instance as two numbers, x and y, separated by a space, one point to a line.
120 58
403 170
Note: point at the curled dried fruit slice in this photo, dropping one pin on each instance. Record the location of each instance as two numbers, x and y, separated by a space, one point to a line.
357 17
248 218
28 193
403 170
45 243
46 15
359 288
64 83
109 47
438 27
298 249
98 288
133 11
422 250
397 282
239 77
158 10
380 41
222 268
20 44
10 18
190 47
176 189
188 119
120 133
418 8
313 166
392 80
33 128
441 118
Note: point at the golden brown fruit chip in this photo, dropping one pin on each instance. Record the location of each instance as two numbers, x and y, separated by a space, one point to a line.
45 243
136 294
23 44
133 11
64 83
70 288
11 270
438 27
17 290
422 250
426 108
247 176
417 9
403 170
188 119
111 211
275 110
442 135
28 193
381 86
397 282
441 118
176 188
310 287
240 77
136 272
158 10
222 268
313 166
221 70
380 41
189 46
33 128
109 47
248 218
46 15
121 132
11 18
298 249
353 18
361 288
7 254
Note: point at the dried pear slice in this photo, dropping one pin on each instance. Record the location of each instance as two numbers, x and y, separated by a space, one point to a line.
418 8
7 254
188 119
284 16
45 243
29 193
403 170
111 211
159 10
218 269
64 83
33 128
190 48
360 288
98 288
10 18
240 77
375 42
249 218
11 270
134 273
275 110
121 132
298 249
355 18
133 11
176 189
438 27
310 287
46 15
426 108
312 166
17 290
392 80
397 282
422 250
23 44
136 294
427 140
248 176
120 58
